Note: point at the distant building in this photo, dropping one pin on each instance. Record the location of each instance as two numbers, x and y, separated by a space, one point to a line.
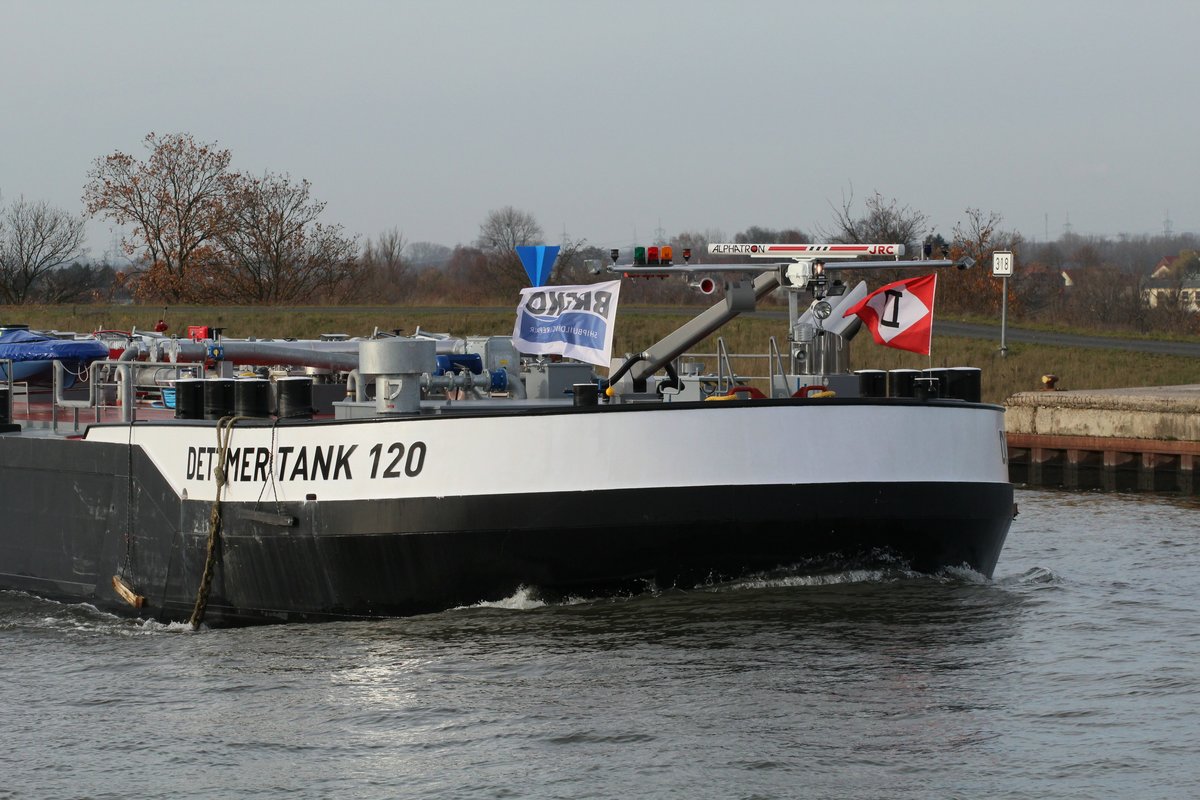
1165 286
1163 268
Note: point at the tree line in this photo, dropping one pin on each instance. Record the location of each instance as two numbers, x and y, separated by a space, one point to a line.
200 232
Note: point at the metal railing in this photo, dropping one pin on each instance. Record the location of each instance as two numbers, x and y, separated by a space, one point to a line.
6 408
101 376
725 365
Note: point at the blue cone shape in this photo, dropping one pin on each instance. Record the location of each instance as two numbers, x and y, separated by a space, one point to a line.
538 261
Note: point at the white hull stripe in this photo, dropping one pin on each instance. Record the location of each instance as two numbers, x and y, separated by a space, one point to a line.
515 454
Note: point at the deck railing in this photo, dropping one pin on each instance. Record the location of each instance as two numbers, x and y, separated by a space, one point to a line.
101 376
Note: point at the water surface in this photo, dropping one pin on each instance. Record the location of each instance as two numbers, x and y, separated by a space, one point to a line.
1074 673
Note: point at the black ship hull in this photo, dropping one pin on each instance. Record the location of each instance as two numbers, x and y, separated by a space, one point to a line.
79 513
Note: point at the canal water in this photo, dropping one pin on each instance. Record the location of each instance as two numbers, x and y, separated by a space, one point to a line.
1074 673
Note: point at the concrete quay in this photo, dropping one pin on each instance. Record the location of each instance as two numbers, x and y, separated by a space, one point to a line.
1139 439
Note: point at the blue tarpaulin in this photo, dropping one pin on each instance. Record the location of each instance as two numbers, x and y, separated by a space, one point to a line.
22 345
32 354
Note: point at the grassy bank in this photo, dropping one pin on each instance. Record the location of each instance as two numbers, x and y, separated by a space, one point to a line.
1021 370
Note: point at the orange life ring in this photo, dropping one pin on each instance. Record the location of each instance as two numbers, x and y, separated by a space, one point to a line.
804 390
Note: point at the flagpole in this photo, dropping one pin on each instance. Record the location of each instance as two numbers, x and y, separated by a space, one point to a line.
931 324
930 355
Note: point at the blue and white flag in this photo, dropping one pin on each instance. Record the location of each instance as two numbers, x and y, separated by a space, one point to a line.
572 321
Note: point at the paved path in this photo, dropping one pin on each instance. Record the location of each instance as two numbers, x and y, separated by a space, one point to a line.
966 329
992 332
1015 334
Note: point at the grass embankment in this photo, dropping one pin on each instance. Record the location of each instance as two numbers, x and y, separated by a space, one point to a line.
1021 370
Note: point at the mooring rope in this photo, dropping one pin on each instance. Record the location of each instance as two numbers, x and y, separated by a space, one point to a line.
126 568
271 472
224 426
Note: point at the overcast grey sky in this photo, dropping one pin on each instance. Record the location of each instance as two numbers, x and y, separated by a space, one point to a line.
606 118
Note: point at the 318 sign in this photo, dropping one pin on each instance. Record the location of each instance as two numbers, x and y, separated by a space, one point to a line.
1002 264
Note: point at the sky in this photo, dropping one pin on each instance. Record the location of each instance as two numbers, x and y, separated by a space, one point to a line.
611 120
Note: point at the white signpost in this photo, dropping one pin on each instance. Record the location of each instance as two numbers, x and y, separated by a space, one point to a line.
1002 267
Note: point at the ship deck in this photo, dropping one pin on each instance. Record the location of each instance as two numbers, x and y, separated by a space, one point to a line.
33 408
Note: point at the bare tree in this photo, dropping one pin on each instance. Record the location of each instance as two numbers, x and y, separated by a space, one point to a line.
77 283
503 230
35 239
388 251
976 290
384 267
422 255
698 242
506 228
886 221
756 234
465 277
176 201
1088 256
1104 296
571 263
274 247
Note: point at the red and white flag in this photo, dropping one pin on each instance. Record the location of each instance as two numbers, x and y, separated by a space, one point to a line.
900 314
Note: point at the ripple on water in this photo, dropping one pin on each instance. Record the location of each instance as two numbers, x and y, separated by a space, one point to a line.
1074 673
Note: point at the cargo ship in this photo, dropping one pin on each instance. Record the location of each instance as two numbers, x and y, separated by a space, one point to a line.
235 482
